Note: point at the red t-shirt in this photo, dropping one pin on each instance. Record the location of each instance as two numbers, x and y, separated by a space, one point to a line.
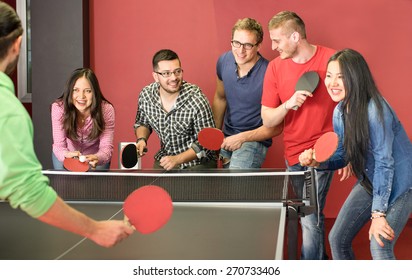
304 126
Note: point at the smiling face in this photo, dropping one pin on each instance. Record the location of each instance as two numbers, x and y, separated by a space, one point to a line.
241 54
334 82
170 84
282 42
82 95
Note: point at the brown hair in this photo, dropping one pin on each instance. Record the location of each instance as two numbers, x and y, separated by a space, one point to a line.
10 28
70 118
251 25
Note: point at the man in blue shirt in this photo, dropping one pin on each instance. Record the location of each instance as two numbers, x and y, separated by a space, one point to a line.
237 101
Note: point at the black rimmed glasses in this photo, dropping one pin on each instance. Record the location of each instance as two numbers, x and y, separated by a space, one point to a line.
166 74
246 46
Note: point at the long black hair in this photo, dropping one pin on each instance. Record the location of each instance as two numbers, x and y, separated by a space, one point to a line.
69 120
360 89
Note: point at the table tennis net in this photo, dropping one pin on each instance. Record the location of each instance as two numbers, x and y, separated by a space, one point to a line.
215 185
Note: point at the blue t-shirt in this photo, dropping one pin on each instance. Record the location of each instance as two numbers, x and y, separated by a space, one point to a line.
243 95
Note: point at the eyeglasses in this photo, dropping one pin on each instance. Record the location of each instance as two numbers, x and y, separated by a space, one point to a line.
166 74
246 46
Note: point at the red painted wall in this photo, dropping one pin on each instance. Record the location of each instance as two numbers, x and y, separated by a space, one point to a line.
125 35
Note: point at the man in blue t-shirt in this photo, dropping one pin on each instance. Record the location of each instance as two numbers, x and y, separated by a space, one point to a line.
237 101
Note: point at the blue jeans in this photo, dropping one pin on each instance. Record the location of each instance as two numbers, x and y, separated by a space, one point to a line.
58 165
249 155
313 228
355 213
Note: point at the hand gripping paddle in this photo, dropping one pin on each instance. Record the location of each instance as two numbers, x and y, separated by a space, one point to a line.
325 146
308 81
130 155
211 138
148 208
74 164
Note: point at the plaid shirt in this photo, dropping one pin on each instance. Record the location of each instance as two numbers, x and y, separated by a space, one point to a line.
177 129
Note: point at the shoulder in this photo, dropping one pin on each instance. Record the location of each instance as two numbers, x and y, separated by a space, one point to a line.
107 106
262 62
226 59
10 106
190 87
193 90
338 111
226 56
57 107
148 90
107 110
273 65
263 59
277 61
325 51
374 110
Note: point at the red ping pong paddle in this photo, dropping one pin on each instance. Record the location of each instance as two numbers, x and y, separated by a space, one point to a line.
148 208
308 81
325 146
130 155
74 164
211 138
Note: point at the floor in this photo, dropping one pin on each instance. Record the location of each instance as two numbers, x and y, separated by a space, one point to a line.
403 249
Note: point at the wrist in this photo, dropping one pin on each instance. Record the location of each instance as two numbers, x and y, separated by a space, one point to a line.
285 106
142 139
377 214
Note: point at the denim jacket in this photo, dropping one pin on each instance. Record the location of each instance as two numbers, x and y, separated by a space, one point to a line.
388 163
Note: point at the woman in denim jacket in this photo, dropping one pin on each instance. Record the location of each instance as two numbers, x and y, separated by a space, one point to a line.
374 142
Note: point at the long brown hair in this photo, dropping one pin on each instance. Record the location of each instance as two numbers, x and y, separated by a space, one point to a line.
69 119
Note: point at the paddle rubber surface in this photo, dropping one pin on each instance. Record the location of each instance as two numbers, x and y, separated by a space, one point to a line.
148 208
308 81
325 146
130 155
211 138
74 164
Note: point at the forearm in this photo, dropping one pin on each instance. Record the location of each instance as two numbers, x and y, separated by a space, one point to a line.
103 233
262 133
142 132
170 162
67 218
273 117
186 156
267 133
105 150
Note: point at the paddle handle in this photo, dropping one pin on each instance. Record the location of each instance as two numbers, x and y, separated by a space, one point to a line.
296 106
144 152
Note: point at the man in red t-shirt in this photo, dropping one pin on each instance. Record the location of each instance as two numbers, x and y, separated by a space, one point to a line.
313 117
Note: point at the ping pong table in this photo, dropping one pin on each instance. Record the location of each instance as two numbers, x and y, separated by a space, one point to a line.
218 214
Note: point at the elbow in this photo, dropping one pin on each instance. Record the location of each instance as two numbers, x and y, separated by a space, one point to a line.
278 129
266 122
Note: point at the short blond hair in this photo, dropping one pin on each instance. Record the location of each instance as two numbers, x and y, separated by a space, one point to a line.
251 25
289 21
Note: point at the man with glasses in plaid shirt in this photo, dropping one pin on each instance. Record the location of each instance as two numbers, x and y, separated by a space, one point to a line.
177 111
